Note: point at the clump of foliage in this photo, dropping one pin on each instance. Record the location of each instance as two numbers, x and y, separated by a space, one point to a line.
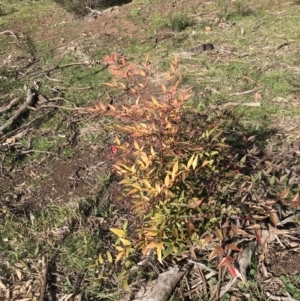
187 176
180 21
236 9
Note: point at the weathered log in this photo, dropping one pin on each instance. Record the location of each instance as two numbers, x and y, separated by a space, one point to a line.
165 284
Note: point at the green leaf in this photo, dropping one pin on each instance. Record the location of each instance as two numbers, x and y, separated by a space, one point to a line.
243 159
272 180
125 285
167 251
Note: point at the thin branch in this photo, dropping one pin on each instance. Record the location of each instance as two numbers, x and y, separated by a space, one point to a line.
24 108
245 92
271 297
48 71
236 104
203 266
22 127
44 286
9 32
61 107
10 105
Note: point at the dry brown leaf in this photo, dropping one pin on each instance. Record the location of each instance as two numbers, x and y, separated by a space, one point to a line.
257 96
284 193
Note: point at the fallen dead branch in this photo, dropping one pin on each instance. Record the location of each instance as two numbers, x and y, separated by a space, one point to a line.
236 104
62 107
165 284
271 297
48 71
45 277
9 32
30 100
245 92
282 45
94 13
24 126
13 103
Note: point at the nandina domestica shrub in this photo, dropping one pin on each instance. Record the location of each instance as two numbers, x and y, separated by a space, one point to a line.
181 178
169 158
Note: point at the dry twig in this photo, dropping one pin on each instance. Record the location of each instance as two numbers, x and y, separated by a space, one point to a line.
31 97
9 32
10 105
44 286
245 92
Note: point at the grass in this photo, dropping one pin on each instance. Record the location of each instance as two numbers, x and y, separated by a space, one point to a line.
26 237
292 285
61 230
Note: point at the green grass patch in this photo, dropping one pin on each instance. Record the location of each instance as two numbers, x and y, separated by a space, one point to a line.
63 231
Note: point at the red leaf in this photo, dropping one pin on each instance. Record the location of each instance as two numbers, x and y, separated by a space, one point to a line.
113 150
226 261
231 269
258 236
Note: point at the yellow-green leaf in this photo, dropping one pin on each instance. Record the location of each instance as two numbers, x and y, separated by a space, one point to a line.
136 146
152 151
119 256
190 161
159 248
195 162
125 242
146 182
117 141
144 158
100 259
119 232
125 285
167 180
175 169
133 169
206 162
109 257
157 187
272 180
123 86
151 232
133 191
155 102
137 186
